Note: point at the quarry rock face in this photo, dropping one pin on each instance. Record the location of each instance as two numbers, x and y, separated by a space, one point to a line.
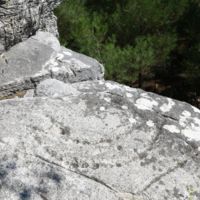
67 134
20 19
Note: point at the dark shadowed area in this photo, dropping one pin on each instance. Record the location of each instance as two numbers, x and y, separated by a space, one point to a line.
150 44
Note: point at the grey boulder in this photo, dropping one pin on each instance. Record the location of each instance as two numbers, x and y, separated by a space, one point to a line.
98 140
41 57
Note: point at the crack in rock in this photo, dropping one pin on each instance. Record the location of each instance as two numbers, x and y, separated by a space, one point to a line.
158 178
76 172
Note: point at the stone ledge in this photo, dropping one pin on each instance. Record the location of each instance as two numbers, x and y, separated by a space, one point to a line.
41 57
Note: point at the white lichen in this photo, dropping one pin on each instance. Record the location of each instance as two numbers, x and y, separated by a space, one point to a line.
101 82
150 123
53 63
112 86
129 95
196 121
171 128
124 107
132 120
145 95
67 53
183 121
186 113
145 104
192 133
166 107
59 56
102 108
107 99
55 69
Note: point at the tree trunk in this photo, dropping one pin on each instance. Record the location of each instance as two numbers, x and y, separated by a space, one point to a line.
140 79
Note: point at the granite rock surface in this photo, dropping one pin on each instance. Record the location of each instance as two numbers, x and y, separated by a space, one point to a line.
98 140
67 134
41 57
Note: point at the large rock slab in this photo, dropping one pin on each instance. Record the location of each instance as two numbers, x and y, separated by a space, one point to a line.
20 19
41 57
98 140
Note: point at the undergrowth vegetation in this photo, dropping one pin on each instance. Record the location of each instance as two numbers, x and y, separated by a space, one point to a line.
152 44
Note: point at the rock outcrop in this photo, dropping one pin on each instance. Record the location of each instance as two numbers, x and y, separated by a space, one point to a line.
98 140
72 135
41 57
20 19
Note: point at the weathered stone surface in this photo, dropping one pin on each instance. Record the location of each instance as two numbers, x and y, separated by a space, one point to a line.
41 57
20 19
74 135
98 140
